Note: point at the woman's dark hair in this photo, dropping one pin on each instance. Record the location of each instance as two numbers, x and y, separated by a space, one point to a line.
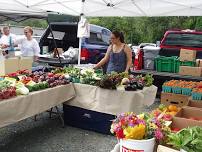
119 35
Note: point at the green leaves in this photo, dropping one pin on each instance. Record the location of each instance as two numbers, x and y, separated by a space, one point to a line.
189 139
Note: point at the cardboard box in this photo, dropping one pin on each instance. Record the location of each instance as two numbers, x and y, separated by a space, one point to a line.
60 51
9 65
195 103
193 71
175 99
186 118
162 148
25 63
187 55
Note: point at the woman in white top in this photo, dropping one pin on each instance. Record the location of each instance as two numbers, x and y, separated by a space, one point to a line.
28 45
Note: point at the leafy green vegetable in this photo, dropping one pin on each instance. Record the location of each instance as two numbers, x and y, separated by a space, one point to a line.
4 84
189 139
148 78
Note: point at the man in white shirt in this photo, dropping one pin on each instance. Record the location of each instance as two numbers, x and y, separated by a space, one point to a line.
7 41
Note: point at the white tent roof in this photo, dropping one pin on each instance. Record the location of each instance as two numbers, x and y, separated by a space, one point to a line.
14 7
111 7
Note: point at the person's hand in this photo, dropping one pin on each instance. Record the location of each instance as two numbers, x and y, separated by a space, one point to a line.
95 67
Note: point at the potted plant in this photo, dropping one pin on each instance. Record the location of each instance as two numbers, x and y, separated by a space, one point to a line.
139 132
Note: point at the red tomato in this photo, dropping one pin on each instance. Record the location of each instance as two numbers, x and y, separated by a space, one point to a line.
176 129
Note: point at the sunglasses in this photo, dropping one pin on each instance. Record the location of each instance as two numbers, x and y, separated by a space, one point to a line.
112 38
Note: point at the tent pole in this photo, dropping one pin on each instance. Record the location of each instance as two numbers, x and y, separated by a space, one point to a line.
54 42
80 39
79 57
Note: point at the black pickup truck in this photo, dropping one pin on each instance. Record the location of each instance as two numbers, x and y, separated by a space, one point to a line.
171 44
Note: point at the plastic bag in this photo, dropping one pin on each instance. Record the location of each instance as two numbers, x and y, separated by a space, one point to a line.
71 53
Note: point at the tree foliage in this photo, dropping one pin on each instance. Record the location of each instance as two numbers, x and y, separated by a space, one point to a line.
147 29
135 29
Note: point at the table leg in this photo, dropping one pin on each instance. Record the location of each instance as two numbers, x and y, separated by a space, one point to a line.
35 118
50 112
60 115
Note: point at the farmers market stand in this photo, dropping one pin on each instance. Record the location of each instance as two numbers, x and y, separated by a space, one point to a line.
93 108
19 108
86 106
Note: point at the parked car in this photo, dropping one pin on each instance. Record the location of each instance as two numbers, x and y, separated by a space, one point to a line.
173 41
65 35
171 44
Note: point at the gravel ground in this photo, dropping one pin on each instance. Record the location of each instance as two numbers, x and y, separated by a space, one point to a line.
47 135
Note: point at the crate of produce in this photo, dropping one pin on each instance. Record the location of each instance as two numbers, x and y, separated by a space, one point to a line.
179 63
197 92
196 96
165 64
167 89
177 90
186 91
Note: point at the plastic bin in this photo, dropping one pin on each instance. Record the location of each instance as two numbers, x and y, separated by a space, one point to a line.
186 91
148 63
196 96
167 89
151 51
176 90
179 63
165 64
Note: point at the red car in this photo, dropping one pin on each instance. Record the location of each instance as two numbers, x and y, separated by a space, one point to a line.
172 42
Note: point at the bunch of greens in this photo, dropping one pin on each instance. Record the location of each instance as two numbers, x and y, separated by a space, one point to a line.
4 84
111 81
189 139
88 77
148 78
73 72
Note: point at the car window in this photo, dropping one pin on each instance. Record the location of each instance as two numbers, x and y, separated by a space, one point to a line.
96 38
57 35
183 39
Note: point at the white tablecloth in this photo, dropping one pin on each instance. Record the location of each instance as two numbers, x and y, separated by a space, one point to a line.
22 107
112 101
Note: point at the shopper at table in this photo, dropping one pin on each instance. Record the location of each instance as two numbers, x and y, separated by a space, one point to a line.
118 56
28 45
7 41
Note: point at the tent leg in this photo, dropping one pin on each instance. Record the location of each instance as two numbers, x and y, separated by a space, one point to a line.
79 55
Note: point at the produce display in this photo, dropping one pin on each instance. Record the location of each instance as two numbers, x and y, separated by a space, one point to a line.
22 82
189 139
188 88
166 112
107 81
6 90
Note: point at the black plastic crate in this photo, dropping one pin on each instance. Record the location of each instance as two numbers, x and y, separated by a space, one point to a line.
87 119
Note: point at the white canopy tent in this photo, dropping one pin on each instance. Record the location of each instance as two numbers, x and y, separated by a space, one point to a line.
94 8
9 7
112 7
